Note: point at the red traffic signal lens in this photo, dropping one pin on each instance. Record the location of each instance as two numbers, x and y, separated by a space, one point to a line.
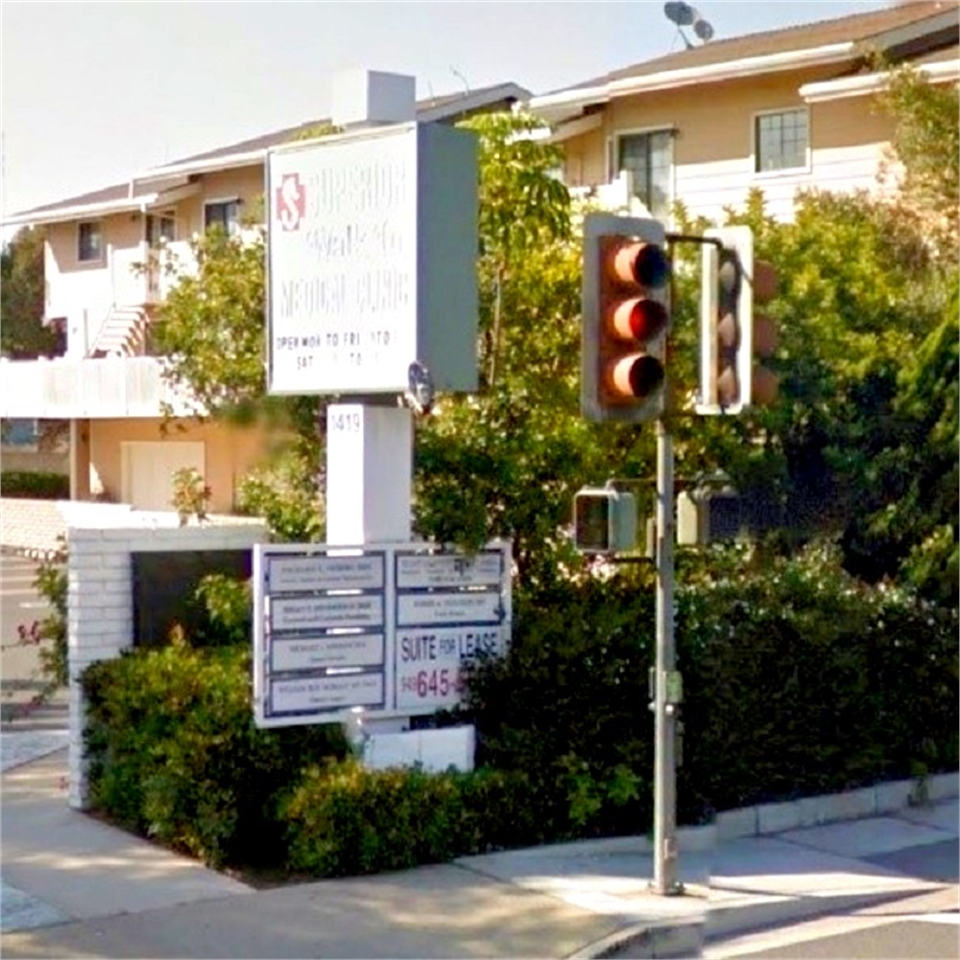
638 375
638 319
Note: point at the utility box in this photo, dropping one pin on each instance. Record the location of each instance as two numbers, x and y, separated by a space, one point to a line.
708 516
604 520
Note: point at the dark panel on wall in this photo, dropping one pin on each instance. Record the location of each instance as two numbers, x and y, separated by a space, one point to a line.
164 584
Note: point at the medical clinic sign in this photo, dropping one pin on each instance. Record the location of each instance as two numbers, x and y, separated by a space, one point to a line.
371 260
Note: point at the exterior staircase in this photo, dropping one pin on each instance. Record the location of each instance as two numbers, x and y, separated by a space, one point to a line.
122 334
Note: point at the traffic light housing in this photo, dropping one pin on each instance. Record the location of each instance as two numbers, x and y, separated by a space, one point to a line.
604 520
626 315
732 335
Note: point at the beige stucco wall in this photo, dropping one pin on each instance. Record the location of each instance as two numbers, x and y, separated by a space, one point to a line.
229 453
713 140
244 182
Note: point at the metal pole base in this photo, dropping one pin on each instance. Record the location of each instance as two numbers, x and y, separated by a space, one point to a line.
673 889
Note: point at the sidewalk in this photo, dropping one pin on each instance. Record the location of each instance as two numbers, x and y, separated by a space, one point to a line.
74 887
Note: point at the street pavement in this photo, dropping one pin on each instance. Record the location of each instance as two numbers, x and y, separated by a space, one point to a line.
76 887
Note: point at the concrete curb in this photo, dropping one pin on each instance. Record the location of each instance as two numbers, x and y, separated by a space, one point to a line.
889 797
674 938
685 938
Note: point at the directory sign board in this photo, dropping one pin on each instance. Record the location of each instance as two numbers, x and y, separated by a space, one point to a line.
384 628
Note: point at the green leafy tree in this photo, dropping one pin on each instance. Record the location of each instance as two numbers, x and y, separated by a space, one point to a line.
211 326
505 462
926 142
22 330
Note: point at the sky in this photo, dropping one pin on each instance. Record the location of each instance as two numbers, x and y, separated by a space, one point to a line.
92 93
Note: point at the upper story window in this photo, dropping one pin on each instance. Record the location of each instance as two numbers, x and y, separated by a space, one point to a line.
780 140
649 158
222 213
90 241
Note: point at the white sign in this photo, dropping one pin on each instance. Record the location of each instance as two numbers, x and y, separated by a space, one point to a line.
429 662
293 574
311 613
440 608
443 570
342 262
327 693
321 651
291 654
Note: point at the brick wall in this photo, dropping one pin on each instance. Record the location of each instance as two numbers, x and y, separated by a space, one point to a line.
100 598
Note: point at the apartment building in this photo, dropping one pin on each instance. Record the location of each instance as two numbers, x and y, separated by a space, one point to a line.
779 110
103 287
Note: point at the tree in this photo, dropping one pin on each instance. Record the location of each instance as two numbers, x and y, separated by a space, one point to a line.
926 143
23 334
211 326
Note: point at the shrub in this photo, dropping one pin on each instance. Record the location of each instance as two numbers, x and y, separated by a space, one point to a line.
37 486
227 605
568 705
344 820
797 680
800 680
174 752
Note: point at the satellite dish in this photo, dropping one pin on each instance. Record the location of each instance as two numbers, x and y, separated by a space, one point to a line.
703 30
680 13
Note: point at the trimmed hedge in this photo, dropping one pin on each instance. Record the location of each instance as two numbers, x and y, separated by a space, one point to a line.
344 820
36 486
797 681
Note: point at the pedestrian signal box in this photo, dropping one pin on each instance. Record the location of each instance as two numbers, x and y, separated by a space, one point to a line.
604 520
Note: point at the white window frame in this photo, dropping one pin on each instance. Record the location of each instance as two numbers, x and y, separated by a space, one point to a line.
613 152
99 225
807 165
220 201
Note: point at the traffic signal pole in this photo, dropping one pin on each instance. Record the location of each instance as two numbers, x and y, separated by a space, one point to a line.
666 683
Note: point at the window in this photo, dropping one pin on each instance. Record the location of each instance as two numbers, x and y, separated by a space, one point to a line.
21 433
780 141
90 241
160 229
649 158
222 213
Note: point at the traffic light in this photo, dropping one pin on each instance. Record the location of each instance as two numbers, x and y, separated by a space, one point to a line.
604 520
626 314
732 336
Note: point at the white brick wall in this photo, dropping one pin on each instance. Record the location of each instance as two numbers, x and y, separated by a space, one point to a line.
100 597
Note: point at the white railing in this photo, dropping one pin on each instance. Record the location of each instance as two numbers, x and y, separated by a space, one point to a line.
67 388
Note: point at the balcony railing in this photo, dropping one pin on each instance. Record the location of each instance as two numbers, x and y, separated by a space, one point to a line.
66 388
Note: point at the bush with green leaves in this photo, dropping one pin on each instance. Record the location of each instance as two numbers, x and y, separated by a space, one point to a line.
801 680
175 755
35 485
797 680
344 820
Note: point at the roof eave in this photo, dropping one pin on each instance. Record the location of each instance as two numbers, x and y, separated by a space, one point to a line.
947 71
79 211
557 106
189 167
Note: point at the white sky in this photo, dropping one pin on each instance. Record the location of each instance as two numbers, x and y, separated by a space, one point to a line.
91 92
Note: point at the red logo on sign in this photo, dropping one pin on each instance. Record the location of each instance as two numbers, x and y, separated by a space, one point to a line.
291 202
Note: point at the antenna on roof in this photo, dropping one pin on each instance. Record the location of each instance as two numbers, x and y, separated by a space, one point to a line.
683 15
461 78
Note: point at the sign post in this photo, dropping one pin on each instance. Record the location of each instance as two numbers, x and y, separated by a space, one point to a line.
372 301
